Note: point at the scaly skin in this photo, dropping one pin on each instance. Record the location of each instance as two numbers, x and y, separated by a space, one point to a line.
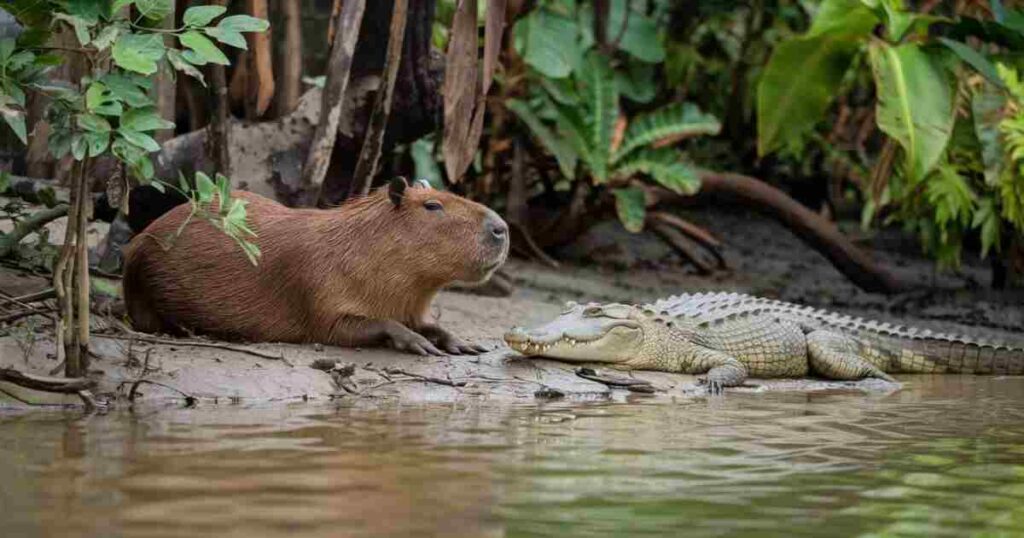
728 336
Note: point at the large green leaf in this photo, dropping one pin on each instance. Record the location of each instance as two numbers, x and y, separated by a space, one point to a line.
631 208
640 37
202 15
243 23
678 120
915 103
154 10
797 86
145 119
139 52
573 126
602 95
560 148
664 166
548 42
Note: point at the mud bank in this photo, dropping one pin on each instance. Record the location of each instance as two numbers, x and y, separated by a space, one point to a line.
608 265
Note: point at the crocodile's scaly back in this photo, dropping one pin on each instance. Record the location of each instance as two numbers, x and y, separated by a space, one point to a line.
892 348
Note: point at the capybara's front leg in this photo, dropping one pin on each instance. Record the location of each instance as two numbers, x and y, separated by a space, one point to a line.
449 342
357 330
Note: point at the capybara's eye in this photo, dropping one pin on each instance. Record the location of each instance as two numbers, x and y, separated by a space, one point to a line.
433 205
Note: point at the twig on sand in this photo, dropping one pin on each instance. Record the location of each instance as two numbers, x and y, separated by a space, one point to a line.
24 300
59 385
195 343
189 399
24 314
439 381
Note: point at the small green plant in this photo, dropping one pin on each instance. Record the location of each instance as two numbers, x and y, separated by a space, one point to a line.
594 141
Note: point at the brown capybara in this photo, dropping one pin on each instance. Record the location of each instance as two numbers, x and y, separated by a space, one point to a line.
364 273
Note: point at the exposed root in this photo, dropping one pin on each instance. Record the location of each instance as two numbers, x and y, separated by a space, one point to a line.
699 235
681 244
529 247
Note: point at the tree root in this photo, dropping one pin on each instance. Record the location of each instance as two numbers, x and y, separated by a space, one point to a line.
193 343
810 227
529 248
680 234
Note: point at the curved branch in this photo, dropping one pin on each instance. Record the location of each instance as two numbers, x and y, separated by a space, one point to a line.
32 223
814 230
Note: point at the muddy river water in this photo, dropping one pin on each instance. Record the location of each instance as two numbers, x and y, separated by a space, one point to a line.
943 456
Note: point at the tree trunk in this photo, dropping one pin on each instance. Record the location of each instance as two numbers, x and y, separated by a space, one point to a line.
260 72
164 85
369 155
218 142
339 65
289 78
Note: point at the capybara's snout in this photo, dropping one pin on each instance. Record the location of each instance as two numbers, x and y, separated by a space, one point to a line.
495 241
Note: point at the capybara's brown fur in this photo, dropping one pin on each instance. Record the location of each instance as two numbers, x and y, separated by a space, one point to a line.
360 274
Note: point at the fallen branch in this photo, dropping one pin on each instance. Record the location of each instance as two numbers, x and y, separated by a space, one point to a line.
681 244
810 227
189 399
24 314
690 231
194 343
24 300
34 222
60 385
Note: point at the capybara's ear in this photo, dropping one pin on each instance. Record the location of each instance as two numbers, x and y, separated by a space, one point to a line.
422 183
396 190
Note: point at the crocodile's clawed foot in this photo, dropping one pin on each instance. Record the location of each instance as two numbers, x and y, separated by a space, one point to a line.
714 387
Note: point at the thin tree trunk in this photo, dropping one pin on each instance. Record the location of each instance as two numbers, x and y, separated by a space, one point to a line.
338 67
260 74
290 77
369 155
217 143
164 85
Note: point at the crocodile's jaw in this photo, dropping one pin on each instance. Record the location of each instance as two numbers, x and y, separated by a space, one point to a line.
615 341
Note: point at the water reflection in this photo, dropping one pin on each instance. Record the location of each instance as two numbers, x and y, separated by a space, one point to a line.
943 457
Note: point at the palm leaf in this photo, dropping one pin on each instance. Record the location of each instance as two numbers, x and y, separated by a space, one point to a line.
667 123
559 147
664 166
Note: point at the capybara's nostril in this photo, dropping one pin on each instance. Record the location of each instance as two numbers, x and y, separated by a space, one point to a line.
497 229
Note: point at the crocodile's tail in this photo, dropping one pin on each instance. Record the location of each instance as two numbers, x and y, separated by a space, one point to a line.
955 354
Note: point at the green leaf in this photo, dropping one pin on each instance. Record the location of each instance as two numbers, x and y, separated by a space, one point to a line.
183 183
94 123
987 106
973 58
100 100
986 218
179 63
603 97
145 119
106 37
228 37
679 120
139 52
562 151
950 195
637 82
6 49
80 25
243 23
202 15
798 84
158 185
118 4
137 139
154 10
5 181
630 205
223 187
842 18
204 188
548 42
59 143
424 163
204 49
15 119
79 146
664 166
915 103
640 38
97 142
126 89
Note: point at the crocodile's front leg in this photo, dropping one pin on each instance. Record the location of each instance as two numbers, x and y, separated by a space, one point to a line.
837 357
723 370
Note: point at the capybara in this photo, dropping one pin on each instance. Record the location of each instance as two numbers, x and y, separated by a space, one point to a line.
364 273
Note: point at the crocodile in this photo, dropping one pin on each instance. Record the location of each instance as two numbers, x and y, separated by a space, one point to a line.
727 336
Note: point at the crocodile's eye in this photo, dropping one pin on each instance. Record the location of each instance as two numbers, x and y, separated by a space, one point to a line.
591 311
433 205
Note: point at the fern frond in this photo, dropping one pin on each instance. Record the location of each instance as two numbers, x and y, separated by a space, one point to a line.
563 151
602 97
667 123
664 166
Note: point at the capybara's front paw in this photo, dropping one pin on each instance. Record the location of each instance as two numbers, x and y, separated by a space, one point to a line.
404 339
450 343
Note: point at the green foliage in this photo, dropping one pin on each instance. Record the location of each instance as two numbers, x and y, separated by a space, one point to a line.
112 110
950 109
587 120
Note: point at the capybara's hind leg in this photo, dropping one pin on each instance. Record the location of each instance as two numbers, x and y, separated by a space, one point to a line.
356 330
449 342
